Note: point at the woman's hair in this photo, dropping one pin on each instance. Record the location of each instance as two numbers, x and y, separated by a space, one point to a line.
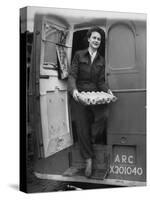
94 29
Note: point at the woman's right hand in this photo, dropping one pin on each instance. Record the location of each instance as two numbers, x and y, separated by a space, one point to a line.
75 94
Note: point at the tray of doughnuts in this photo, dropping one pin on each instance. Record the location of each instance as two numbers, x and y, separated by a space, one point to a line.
94 98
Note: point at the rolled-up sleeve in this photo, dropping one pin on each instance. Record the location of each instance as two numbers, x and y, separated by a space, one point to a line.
73 73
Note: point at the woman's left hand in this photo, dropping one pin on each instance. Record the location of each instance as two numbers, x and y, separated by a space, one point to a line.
110 92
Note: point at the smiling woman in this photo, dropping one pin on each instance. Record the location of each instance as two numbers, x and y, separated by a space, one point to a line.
87 74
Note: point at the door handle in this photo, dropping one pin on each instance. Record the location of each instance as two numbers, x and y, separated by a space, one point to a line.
50 66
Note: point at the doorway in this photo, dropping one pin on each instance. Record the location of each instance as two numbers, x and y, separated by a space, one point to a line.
80 42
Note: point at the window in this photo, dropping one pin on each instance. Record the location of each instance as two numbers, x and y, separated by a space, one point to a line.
121 47
52 37
55 49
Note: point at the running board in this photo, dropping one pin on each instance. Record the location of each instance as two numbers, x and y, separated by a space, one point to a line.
114 182
99 174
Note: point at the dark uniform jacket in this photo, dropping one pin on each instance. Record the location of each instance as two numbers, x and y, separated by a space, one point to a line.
87 76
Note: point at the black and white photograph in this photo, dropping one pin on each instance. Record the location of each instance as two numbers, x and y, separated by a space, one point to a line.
85 91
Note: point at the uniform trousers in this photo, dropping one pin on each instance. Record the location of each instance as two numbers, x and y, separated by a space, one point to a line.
90 122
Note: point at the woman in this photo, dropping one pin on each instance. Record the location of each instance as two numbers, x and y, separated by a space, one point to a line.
87 73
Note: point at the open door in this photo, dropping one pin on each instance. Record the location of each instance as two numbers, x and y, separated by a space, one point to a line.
51 69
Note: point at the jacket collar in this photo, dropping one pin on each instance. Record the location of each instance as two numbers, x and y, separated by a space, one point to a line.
86 52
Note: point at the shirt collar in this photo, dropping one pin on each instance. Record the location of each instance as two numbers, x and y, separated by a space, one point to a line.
92 54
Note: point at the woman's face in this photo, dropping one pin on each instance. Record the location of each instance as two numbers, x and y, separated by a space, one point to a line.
94 40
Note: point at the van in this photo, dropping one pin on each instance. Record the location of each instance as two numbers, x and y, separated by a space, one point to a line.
120 153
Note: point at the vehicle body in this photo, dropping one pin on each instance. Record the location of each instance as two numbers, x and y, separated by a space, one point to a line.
122 151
